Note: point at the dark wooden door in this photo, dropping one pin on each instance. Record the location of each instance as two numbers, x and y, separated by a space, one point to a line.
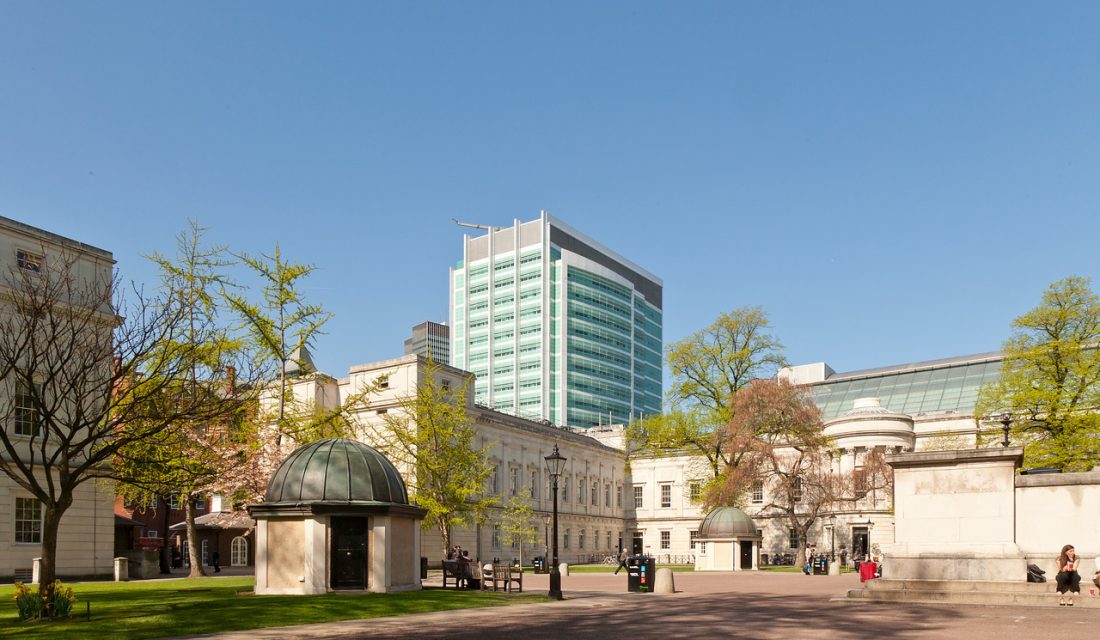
348 569
746 555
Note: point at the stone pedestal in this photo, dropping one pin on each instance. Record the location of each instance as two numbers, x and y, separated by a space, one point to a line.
663 582
122 569
36 570
955 516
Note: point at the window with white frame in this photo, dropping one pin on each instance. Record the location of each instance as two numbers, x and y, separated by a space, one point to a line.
28 521
666 495
152 533
200 503
238 552
204 548
639 500
29 262
792 538
758 492
595 502
26 415
693 537
694 492
580 542
174 502
666 540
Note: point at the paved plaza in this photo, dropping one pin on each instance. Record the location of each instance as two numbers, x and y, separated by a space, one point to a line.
710 605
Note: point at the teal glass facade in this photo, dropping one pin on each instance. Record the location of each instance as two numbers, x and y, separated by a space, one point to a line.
556 333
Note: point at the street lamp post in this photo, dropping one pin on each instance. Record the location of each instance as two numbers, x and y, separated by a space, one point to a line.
1006 424
832 538
555 463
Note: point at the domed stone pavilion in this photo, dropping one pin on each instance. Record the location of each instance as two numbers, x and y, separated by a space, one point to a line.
336 516
728 541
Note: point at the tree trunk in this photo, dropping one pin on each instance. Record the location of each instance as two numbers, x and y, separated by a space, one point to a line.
47 569
197 570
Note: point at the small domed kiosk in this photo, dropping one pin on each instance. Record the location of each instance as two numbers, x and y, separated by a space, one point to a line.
336 516
728 541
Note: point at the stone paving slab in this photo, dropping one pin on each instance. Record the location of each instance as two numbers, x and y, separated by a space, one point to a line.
748 605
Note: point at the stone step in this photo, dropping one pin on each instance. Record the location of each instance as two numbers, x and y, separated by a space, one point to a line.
885 584
1001 598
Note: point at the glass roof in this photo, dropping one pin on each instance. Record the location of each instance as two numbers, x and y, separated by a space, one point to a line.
914 391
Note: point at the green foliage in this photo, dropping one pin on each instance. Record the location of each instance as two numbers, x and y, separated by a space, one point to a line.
430 437
52 601
1050 379
709 366
518 521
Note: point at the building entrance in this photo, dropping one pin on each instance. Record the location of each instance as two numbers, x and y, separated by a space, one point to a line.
746 555
860 537
636 547
349 553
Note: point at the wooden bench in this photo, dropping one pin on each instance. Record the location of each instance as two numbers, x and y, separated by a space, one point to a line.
501 575
457 571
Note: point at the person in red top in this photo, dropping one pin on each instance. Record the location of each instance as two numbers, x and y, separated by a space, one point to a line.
1068 578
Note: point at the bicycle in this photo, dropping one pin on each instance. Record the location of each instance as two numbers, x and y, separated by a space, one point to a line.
609 560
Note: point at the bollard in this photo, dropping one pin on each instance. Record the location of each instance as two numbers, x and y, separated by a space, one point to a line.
563 568
834 569
663 582
122 569
36 570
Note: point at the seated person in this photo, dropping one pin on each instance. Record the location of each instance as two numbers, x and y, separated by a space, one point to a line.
1068 578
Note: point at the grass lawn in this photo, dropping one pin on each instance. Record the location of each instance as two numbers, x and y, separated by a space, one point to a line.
610 568
154 609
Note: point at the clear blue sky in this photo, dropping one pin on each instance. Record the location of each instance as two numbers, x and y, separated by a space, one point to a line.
890 181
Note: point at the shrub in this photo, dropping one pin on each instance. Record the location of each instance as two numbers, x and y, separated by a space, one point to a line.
28 601
32 605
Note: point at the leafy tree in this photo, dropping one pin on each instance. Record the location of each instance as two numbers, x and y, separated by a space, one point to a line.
89 373
1050 379
283 326
708 369
431 439
777 430
519 522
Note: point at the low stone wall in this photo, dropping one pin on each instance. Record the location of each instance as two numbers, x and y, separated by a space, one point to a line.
1056 509
144 563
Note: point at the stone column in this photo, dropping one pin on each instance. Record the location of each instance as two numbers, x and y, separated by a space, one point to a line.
261 555
315 538
381 553
736 555
755 554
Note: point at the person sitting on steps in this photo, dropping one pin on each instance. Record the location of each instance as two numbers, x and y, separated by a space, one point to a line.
1068 578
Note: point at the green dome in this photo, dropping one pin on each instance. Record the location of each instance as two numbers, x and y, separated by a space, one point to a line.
727 522
336 471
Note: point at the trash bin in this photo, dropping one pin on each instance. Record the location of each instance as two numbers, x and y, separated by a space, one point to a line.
639 573
423 568
821 566
539 564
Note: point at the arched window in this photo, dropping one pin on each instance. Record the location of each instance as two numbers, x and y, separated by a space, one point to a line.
238 551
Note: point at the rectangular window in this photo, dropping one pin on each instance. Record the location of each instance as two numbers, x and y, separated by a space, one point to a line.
565 491
496 536
496 479
607 495
29 262
565 539
200 504
694 492
792 540
514 472
619 496
638 500
694 537
534 485
609 547
796 495
152 533
666 540
26 416
174 502
580 544
666 495
580 492
595 494
28 521
758 493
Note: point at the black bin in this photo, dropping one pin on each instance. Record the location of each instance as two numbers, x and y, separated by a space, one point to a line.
821 566
539 563
639 573
423 568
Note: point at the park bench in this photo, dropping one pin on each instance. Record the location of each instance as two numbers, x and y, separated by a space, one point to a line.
501 575
457 571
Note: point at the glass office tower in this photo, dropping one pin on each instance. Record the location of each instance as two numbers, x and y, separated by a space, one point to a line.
556 326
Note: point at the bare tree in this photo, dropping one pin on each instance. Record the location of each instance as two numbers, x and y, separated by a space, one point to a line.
84 372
